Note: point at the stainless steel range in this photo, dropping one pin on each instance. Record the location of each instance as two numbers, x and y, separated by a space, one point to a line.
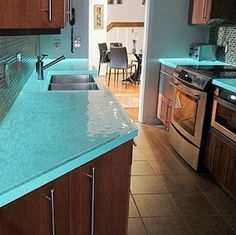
192 108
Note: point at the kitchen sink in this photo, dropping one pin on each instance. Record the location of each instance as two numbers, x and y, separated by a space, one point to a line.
72 86
62 79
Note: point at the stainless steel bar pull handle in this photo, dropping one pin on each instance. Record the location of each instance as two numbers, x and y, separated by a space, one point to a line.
93 201
52 200
49 10
93 177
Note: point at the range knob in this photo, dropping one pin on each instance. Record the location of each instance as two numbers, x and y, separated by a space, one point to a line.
189 79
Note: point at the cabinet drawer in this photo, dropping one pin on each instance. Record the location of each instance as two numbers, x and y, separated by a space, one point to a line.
167 69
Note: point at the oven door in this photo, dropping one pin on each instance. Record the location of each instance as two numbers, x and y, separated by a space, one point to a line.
224 117
188 112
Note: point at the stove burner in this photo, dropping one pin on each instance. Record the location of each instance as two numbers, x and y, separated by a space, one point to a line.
211 67
215 71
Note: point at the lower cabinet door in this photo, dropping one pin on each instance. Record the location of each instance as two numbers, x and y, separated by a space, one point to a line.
80 200
231 170
43 211
220 160
112 191
100 194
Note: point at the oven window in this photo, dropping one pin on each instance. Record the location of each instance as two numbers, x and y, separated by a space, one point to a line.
185 111
226 117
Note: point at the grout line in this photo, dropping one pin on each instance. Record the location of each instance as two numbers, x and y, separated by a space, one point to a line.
139 213
218 211
187 172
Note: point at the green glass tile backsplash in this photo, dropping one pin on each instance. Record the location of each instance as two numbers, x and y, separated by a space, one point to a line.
18 71
225 36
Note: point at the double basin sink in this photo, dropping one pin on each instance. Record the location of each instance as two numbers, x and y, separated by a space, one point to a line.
72 82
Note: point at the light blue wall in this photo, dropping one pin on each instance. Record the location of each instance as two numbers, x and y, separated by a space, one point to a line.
80 29
169 35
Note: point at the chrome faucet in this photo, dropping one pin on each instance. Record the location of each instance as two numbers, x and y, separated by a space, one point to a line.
40 67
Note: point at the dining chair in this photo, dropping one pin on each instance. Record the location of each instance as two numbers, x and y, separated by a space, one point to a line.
116 44
103 56
119 61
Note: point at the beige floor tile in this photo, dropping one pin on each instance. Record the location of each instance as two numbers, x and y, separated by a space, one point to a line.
146 184
204 225
167 166
138 155
166 226
136 227
231 219
141 168
150 205
205 183
179 183
222 202
133 212
155 153
193 203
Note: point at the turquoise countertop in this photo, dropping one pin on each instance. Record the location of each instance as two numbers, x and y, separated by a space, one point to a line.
228 84
47 134
173 62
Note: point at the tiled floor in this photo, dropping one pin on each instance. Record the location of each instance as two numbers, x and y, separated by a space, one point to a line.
168 197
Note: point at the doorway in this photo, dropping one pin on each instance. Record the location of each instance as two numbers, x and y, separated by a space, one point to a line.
127 30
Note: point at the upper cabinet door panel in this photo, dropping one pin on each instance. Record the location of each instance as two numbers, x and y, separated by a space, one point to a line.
29 14
200 11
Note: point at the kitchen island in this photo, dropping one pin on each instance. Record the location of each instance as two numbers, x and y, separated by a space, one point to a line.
49 140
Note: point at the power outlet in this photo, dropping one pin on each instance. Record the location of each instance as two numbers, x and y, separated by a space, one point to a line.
18 57
57 43
77 42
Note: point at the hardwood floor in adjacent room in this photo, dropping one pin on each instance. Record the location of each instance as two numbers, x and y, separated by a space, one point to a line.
119 88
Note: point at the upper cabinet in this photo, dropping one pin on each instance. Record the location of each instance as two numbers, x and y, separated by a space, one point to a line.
202 11
32 14
199 11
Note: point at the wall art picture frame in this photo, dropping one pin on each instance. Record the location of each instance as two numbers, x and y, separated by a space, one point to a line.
119 1
110 2
98 12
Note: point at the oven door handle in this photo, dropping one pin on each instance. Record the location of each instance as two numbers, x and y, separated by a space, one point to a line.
226 103
185 89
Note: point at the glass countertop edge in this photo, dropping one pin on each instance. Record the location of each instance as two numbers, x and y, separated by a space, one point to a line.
222 84
173 62
53 174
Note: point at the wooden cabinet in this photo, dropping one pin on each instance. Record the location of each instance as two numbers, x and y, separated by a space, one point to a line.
220 160
111 192
83 201
201 11
166 95
29 14
164 109
32 214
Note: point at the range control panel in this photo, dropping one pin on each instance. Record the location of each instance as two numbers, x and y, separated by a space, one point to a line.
191 78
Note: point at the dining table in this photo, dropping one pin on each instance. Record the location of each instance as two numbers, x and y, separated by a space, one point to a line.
135 77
